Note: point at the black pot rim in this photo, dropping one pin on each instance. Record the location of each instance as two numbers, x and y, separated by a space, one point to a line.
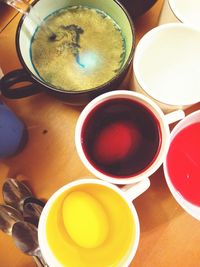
71 92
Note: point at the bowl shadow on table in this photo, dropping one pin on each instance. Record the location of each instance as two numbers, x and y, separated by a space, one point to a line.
148 20
156 206
49 155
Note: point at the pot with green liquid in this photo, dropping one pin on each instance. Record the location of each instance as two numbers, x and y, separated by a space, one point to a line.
75 50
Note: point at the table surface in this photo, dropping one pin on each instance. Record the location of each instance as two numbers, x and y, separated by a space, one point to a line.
169 236
7 13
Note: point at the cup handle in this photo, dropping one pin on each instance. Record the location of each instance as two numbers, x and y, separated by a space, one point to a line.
132 191
16 77
175 116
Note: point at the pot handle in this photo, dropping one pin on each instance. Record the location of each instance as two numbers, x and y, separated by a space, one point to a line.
14 77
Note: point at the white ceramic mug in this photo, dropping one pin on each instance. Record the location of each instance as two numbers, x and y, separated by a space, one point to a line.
185 11
112 251
155 113
177 192
166 66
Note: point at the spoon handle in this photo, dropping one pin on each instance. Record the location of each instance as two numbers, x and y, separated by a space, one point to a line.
40 257
38 262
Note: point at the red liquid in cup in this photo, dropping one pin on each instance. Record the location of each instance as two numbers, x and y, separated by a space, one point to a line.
121 137
183 163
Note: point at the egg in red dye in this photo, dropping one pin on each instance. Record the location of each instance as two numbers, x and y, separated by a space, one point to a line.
116 141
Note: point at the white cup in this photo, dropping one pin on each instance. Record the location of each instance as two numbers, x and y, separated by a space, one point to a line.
185 11
192 209
103 255
156 114
166 66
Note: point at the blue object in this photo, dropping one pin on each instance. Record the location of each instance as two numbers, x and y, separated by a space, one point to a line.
12 132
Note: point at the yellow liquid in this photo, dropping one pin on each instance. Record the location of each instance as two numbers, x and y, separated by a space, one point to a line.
114 246
88 51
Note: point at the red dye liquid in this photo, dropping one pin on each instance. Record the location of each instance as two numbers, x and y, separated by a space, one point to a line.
121 137
183 163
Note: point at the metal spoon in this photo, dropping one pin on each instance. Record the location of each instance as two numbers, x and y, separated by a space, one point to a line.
8 217
25 236
32 208
15 192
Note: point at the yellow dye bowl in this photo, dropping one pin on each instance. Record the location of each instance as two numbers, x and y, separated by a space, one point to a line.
89 223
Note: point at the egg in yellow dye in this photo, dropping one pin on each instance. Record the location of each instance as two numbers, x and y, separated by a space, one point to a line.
85 219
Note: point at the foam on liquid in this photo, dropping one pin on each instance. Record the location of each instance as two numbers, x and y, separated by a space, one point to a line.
88 51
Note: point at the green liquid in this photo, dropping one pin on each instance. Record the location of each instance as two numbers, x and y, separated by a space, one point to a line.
88 49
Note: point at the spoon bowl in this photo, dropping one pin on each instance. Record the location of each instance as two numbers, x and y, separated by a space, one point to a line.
25 236
32 208
15 192
8 217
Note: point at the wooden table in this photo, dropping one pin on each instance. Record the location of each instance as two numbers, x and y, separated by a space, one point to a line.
169 236
7 13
